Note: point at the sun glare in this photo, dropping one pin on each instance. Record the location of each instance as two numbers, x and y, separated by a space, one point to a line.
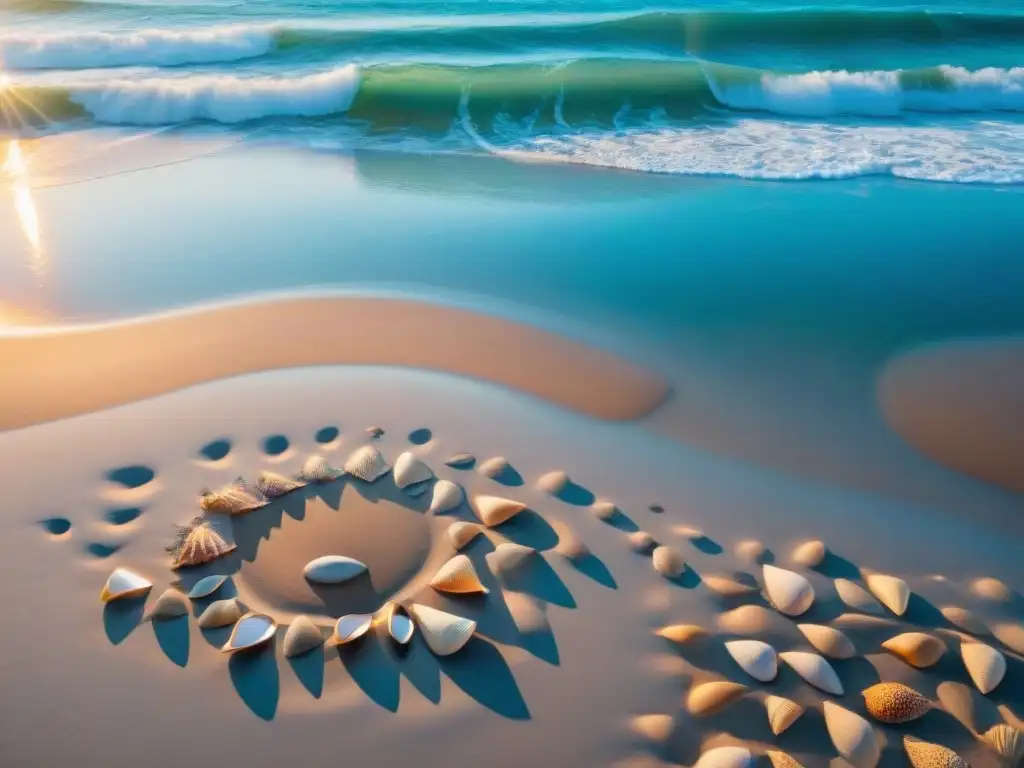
15 171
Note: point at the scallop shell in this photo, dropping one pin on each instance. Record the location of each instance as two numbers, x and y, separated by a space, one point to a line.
991 589
400 625
921 754
123 583
461 533
221 614
709 698
446 497
494 467
984 664
508 556
787 591
810 554
858 598
603 510
367 464
782 760
443 632
916 648
273 485
894 703
756 658
828 641
1007 741
251 631
494 510
409 470
964 619
893 593
725 757
170 605
302 636
332 569
352 627
206 586
460 460
657 728
201 545
782 713
553 482
726 586
853 737
641 541
681 633
814 670
668 561
317 470
459 577
234 499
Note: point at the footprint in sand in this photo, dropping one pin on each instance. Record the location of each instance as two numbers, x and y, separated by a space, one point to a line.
216 450
58 527
328 437
420 436
277 447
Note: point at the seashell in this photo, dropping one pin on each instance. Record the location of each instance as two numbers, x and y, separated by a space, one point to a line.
495 467
201 545
123 583
657 728
853 737
922 754
747 620
641 541
688 532
494 510
221 614
603 510
459 577
787 591
374 432
726 586
461 533
553 482
170 605
400 625
709 698
302 636
332 569
571 546
508 556
681 633
863 621
352 627
985 665
446 497
367 464
965 619
317 470
1007 741
725 757
251 631
856 597
991 589
206 586
234 499
894 703
460 460
893 593
810 554
916 648
409 470
1010 635
828 641
782 713
443 632
668 561
756 658
273 485
814 670
782 760
751 550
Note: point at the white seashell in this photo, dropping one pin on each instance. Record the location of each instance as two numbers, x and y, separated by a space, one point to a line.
352 627
756 658
656 728
1007 741
446 497
273 485
916 648
221 614
251 631
782 760
782 713
459 577
302 636
206 586
810 554
460 460
495 467
317 470
991 589
893 593
984 664
787 591
668 561
332 569
726 586
409 470
828 641
854 738
553 482
858 598
367 464
170 605
202 544
494 510
641 541
400 625
603 510
123 583
234 499
508 556
461 533
443 632
964 619
710 698
922 754
814 670
894 703
725 757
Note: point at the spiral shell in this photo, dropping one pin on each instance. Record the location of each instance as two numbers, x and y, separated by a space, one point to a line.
894 703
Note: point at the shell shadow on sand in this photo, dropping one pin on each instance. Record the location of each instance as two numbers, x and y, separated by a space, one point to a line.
256 679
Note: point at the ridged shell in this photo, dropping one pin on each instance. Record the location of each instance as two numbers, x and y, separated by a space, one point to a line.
443 632
916 648
964 619
446 497
459 577
681 633
460 460
302 636
726 586
1007 742
756 658
494 467
235 499
893 593
352 627
787 591
220 614
858 598
782 713
603 510
991 589
400 625
170 605
461 533
251 631
782 760
206 586
814 670
641 541
553 482
201 545
657 728
508 556
367 464
124 583
273 485
828 641
725 757
332 569
494 510
708 698
409 470
922 754
894 703
317 470
984 664
853 737
668 561
810 554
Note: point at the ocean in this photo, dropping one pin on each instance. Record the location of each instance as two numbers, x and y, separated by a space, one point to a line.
766 90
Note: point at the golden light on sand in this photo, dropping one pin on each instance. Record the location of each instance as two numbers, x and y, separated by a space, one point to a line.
15 171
